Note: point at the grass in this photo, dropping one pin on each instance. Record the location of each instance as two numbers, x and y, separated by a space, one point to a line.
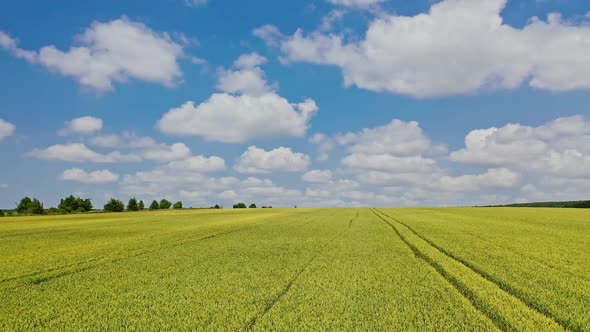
496 269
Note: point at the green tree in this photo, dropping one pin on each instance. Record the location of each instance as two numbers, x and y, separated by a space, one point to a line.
71 204
217 206
132 205
141 206
240 206
177 205
86 205
68 204
252 206
165 204
155 205
36 207
1 213
23 205
114 205
32 206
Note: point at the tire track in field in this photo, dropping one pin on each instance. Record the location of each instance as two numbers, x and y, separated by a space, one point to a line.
164 246
515 251
353 219
250 325
525 256
499 322
478 303
501 284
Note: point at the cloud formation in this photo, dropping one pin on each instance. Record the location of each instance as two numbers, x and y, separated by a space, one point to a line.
80 153
6 129
85 125
247 77
110 52
234 119
95 177
259 161
459 47
355 3
196 3
317 176
560 147
243 111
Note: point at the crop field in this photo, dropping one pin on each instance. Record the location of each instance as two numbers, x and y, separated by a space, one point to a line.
418 269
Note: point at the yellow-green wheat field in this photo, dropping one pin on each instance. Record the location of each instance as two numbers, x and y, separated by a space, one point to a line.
382 269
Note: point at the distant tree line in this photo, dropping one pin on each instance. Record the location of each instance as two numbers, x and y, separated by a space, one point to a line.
252 206
73 204
115 205
567 204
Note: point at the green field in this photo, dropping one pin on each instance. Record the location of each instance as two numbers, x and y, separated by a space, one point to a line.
451 269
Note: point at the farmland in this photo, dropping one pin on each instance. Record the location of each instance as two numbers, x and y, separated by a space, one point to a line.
418 269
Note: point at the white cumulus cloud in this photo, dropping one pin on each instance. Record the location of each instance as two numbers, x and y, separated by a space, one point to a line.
11 44
85 125
80 153
232 119
199 164
196 3
243 111
127 140
95 177
355 3
397 137
458 47
110 52
6 129
559 147
497 177
163 152
389 163
247 77
317 176
258 161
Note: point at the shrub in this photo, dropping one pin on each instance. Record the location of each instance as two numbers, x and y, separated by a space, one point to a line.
155 205
165 204
252 206
177 205
217 206
114 205
240 206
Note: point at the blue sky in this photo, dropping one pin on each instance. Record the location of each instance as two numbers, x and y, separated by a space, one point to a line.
309 103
